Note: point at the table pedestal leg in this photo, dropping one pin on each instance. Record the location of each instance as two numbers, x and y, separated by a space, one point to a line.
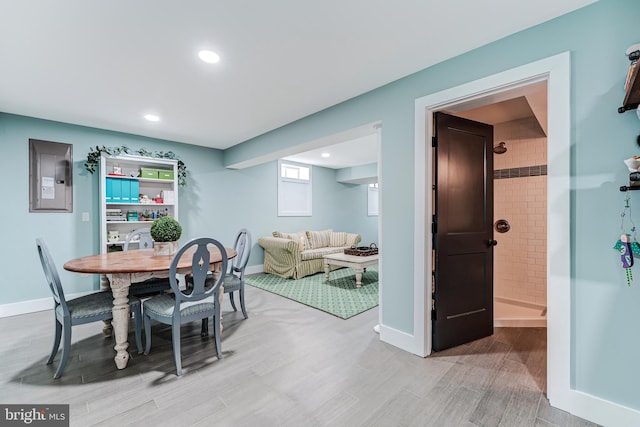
120 289
327 269
358 277
105 285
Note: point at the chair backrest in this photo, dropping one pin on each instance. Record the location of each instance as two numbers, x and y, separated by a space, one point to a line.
51 274
145 240
242 246
201 287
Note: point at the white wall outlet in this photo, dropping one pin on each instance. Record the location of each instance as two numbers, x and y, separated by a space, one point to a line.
85 216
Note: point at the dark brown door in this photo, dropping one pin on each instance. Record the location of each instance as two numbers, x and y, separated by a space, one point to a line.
463 232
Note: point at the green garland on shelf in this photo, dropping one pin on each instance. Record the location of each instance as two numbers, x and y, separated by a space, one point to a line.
93 158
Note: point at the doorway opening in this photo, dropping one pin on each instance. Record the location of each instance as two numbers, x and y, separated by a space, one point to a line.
496 88
520 204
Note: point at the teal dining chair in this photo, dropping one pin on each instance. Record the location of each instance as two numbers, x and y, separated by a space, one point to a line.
234 279
142 236
198 301
85 309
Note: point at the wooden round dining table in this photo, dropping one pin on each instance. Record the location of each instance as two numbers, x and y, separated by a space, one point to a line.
127 267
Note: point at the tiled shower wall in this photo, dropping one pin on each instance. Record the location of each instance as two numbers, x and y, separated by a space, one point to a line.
520 197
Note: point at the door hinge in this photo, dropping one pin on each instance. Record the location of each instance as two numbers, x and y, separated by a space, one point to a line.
434 141
434 224
434 237
433 300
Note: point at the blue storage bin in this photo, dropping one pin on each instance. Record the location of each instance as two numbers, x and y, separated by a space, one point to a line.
109 190
135 191
116 190
125 190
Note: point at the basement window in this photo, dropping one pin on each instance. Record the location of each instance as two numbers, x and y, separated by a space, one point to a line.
294 189
372 199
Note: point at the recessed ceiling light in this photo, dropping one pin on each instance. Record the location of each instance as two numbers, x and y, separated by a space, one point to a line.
209 56
152 117
326 155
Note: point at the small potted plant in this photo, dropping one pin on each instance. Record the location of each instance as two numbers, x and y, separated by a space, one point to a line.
165 232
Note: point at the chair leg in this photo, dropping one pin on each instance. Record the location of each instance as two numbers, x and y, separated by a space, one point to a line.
147 334
56 342
233 303
175 337
244 310
216 331
204 329
137 313
66 348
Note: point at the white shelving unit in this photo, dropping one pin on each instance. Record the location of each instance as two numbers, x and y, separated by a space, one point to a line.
128 168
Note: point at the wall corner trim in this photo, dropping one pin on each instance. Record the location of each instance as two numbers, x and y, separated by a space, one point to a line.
402 340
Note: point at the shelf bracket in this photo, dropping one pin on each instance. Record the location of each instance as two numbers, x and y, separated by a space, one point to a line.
626 188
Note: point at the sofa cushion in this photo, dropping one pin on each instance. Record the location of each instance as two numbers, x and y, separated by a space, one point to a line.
338 239
319 253
318 239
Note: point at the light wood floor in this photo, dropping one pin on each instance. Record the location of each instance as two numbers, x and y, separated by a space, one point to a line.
287 365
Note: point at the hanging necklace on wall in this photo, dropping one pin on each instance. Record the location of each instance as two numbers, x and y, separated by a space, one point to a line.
626 246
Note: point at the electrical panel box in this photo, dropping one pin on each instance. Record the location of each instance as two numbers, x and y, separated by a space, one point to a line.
50 186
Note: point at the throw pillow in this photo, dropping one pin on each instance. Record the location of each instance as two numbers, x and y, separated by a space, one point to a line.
319 239
300 238
304 243
338 239
351 239
283 235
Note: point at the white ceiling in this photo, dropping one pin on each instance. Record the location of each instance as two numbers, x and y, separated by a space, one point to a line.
105 64
500 112
354 152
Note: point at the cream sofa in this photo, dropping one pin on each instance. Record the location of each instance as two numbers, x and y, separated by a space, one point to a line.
300 254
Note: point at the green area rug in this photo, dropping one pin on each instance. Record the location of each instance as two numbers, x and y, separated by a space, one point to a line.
339 297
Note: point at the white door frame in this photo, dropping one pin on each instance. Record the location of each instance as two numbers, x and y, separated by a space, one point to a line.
556 71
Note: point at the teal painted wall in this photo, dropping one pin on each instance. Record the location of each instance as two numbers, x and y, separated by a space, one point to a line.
357 217
341 207
605 312
215 202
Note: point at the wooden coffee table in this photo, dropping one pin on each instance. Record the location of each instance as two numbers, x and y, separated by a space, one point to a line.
359 263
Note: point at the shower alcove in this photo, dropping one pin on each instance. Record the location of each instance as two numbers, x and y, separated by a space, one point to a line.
520 198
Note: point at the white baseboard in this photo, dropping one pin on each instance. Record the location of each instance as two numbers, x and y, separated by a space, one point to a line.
25 307
31 306
254 269
601 411
402 340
